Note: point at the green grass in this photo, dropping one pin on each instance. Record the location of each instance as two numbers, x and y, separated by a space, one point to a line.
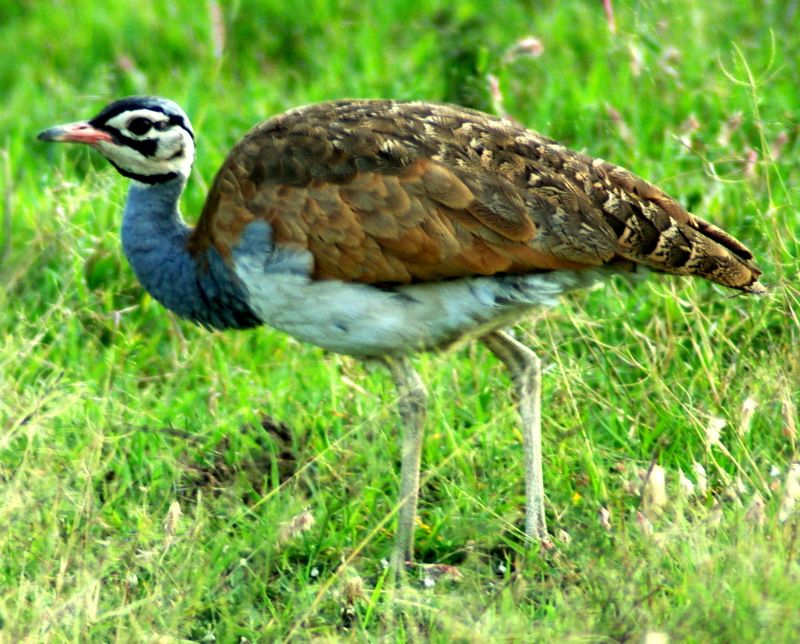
113 414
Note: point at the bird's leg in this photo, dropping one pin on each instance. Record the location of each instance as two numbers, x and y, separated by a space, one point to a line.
412 406
525 370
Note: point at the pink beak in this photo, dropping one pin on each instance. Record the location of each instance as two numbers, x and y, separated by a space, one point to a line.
80 132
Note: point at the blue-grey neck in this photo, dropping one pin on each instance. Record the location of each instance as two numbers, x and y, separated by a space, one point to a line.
154 237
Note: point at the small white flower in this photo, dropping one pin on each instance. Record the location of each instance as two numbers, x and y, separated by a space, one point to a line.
604 516
791 495
654 637
713 431
702 478
746 416
530 46
655 489
685 485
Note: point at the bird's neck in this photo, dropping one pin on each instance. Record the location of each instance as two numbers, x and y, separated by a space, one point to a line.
154 236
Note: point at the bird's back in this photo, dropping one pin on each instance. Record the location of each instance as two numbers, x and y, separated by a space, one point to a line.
384 192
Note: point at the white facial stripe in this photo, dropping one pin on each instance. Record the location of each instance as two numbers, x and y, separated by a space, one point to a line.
121 120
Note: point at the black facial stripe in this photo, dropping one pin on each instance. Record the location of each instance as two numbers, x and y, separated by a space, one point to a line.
145 178
177 120
178 153
145 147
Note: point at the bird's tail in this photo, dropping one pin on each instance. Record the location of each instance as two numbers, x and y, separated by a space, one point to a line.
660 233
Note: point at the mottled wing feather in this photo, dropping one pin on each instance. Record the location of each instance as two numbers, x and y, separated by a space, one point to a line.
387 192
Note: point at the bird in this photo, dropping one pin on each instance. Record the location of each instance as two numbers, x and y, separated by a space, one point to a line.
379 228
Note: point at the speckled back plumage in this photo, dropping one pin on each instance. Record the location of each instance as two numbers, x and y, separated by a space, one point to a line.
384 192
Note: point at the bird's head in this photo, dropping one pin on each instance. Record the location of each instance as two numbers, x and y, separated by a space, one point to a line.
146 138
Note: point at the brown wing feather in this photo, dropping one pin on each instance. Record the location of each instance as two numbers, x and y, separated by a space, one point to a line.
386 192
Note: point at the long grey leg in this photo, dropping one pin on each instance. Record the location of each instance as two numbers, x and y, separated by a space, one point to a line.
412 406
525 370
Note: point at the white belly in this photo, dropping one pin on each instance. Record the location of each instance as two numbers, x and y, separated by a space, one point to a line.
364 321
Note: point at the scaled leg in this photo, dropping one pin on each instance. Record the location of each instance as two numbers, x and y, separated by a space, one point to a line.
412 406
525 370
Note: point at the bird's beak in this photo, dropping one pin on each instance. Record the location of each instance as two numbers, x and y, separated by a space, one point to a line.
80 132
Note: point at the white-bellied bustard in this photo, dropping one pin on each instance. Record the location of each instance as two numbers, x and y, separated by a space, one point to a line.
377 229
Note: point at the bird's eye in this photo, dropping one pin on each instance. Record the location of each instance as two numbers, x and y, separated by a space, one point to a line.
139 126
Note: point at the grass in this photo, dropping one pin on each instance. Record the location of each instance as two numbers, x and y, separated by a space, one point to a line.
163 484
